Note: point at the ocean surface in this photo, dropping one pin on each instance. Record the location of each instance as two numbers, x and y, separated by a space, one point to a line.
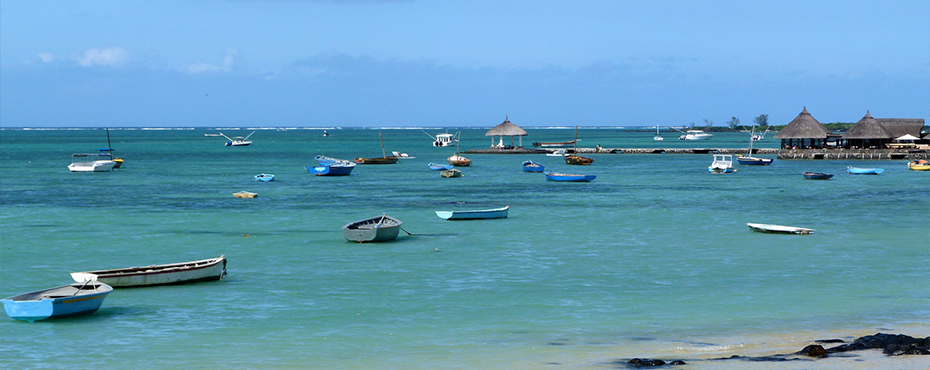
652 260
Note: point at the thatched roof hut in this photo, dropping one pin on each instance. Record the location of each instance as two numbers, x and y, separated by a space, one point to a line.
867 128
506 128
804 126
898 127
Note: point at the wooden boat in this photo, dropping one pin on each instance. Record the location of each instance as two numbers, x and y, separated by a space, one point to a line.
554 176
577 160
334 169
560 144
864 171
779 229
384 159
173 273
375 229
245 194
817 176
238 140
919 165
440 167
458 160
749 160
723 163
66 300
474 214
451 173
264 177
530 166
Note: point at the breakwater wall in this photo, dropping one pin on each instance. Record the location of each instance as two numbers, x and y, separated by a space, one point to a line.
787 154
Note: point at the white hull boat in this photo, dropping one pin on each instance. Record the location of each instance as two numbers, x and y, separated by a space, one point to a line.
174 273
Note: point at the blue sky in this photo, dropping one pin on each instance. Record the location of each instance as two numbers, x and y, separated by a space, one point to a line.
459 63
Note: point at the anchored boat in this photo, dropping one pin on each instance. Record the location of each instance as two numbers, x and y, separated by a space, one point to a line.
172 273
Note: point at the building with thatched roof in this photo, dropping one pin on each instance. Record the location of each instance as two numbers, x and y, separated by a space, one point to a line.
898 127
803 131
506 128
867 133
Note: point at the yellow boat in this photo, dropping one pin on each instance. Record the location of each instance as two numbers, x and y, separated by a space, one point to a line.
919 165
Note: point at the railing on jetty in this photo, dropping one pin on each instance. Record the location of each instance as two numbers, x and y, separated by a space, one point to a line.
801 154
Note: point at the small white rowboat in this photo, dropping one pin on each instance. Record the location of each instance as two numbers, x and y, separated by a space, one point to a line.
779 229
174 273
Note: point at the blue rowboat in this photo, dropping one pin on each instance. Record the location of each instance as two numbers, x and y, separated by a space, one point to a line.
66 300
530 166
336 169
553 176
475 214
817 176
264 177
440 167
864 171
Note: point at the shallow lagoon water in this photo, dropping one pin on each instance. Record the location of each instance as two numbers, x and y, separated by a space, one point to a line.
652 259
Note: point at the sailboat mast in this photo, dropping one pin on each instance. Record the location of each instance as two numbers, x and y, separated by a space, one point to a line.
752 136
383 154
109 146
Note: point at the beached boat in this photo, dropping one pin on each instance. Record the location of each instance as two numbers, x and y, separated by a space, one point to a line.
863 171
577 160
779 229
749 160
375 229
440 167
324 160
530 166
695 135
559 144
723 163
384 159
172 273
333 169
66 300
817 176
245 194
451 173
474 214
238 140
555 176
919 165
264 177
92 162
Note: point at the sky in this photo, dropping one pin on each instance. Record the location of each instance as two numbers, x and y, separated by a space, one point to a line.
358 63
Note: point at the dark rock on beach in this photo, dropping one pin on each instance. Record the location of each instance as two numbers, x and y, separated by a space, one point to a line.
813 350
643 362
890 344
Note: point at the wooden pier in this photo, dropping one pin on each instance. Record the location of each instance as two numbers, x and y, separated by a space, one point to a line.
785 154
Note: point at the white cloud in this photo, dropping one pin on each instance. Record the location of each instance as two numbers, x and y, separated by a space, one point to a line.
46 57
113 57
229 62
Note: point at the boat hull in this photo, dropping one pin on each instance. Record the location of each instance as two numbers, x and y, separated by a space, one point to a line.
63 301
381 160
474 214
370 230
576 160
817 176
332 170
451 173
264 177
779 229
440 167
459 161
175 273
919 165
864 171
94 166
753 161
552 176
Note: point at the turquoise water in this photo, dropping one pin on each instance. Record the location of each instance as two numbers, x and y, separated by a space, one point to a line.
651 259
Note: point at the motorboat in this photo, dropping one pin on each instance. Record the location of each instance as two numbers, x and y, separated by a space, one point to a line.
402 155
238 140
556 153
695 135
919 165
723 163
779 229
92 162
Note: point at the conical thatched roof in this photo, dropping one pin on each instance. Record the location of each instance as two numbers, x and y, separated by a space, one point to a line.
506 129
804 126
867 128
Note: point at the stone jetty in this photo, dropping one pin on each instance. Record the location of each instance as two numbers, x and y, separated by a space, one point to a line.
784 154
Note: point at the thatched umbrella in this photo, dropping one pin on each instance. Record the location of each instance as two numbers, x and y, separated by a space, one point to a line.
804 126
867 133
506 129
